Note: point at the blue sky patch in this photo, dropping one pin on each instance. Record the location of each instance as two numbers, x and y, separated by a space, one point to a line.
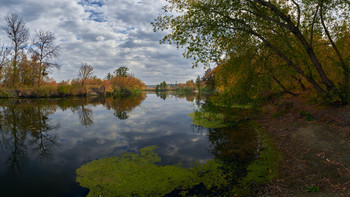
91 3
96 16
126 30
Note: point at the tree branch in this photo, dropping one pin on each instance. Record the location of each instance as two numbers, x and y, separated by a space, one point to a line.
332 42
310 51
312 26
299 12
340 57
282 55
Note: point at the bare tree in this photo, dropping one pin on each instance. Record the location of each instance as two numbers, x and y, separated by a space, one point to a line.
45 49
85 72
4 52
18 33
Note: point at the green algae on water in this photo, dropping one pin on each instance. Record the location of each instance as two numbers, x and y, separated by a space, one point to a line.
137 174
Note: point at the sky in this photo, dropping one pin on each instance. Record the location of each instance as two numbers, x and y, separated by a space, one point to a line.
105 34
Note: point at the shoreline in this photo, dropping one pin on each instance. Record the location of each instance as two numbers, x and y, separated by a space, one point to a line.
314 142
63 92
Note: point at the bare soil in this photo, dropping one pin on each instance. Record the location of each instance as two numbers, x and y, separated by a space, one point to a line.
314 141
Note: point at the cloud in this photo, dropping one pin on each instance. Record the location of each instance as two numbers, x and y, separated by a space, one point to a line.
106 34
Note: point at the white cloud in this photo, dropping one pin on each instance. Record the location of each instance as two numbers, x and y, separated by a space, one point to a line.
105 34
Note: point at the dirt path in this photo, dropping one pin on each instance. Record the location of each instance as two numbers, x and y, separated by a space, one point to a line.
315 143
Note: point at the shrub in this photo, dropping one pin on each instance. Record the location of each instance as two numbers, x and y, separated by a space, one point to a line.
64 90
4 93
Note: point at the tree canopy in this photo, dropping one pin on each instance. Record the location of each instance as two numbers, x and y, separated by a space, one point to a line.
293 31
25 63
122 71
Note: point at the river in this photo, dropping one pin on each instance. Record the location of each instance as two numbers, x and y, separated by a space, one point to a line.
44 141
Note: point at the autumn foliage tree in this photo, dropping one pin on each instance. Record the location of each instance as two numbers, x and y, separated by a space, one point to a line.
122 81
292 33
23 64
18 33
209 78
130 82
45 50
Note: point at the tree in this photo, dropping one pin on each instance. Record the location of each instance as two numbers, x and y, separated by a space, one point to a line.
198 83
18 33
4 52
109 76
121 71
85 72
190 83
163 86
27 71
209 78
45 49
211 30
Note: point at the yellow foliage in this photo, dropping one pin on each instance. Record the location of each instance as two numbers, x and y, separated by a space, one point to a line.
129 82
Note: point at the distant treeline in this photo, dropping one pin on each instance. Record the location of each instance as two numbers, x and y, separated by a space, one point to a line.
27 61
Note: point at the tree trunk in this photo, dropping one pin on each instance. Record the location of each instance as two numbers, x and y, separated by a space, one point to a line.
340 57
308 48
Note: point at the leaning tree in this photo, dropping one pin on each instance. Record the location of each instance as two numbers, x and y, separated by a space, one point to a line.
210 30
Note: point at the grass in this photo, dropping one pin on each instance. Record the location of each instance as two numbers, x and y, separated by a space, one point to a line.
312 189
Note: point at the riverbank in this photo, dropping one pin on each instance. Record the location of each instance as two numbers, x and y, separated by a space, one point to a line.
314 141
67 91
52 91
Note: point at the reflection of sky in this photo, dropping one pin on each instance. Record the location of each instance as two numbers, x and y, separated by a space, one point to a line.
155 122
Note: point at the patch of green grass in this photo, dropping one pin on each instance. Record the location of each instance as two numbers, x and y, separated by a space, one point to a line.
312 189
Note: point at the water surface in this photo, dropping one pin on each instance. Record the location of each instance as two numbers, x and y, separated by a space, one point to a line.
43 141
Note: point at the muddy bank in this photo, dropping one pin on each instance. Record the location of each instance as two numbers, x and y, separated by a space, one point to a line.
315 146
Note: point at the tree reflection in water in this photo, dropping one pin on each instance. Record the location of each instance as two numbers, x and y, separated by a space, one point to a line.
233 140
163 94
235 146
85 113
189 97
122 107
26 128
